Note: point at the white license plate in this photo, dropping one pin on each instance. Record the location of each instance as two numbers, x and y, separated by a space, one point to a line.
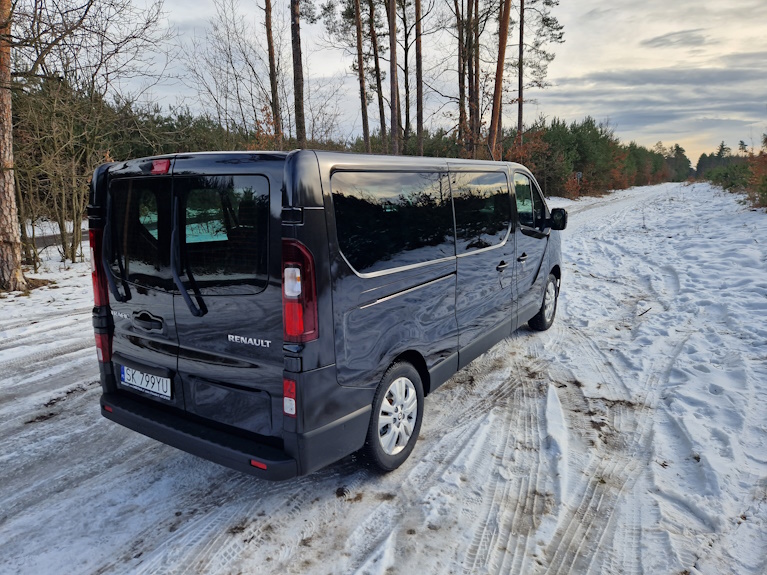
152 384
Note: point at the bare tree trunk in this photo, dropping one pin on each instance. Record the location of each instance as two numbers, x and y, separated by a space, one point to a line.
276 116
408 125
470 72
418 78
361 72
298 72
521 66
503 34
400 131
28 250
11 277
379 83
393 86
461 70
477 110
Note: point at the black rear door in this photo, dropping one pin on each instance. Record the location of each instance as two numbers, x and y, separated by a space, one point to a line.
137 256
230 327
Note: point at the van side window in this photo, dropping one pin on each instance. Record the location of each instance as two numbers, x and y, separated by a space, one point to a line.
387 220
482 209
225 229
140 231
524 194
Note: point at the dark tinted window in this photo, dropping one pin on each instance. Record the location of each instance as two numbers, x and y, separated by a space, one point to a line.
225 230
391 219
140 231
482 209
524 194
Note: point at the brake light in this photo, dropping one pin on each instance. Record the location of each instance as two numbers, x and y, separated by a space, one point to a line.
104 347
299 293
160 167
289 397
98 275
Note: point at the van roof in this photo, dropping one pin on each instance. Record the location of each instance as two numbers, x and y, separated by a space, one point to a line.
350 159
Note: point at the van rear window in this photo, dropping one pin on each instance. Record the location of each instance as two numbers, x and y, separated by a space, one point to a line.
387 220
225 231
141 231
222 229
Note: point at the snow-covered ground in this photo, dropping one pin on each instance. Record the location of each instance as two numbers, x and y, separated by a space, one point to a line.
630 438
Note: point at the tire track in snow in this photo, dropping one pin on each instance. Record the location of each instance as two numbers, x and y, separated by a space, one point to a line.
218 550
611 474
24 326
585 538
513 498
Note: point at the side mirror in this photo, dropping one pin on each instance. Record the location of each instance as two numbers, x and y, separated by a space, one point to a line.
558 219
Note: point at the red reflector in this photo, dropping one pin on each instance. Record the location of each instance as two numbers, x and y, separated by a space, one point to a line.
160 167
294 318
289 397
107 408
104 347
258 464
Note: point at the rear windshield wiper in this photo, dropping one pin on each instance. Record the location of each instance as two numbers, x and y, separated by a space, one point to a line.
105 253
200 309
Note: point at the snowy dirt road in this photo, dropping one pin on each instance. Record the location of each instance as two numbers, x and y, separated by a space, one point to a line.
630 438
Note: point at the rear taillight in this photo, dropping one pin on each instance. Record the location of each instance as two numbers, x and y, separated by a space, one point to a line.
100 293
104 347
98 275
289 397
299 293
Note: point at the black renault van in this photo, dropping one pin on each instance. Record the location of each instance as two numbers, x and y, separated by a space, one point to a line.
274 312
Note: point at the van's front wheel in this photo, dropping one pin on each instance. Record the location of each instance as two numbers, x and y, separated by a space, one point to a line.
545 316
396 418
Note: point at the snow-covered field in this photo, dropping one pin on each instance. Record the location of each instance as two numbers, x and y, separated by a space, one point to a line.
630 438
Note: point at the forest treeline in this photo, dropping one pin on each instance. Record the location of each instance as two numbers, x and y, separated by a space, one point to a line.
61 135
76 79
742 171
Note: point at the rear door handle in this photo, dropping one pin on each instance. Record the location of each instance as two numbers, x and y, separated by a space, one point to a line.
522 258
147 324
501 266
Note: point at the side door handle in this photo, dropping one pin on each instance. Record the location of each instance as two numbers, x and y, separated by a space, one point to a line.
522 259
501 266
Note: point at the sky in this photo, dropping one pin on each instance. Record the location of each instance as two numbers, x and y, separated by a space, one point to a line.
692 72
687 72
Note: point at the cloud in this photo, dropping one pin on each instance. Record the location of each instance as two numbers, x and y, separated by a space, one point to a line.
676 102
678 39
670 77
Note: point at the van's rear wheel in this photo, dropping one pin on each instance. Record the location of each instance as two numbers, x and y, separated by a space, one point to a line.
545 316
396 418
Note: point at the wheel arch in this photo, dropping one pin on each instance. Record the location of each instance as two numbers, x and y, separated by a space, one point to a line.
419 363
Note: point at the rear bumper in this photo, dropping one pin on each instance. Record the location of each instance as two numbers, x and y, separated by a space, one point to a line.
213 444
312 449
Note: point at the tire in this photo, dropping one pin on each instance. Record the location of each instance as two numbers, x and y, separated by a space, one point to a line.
396 418
545 316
